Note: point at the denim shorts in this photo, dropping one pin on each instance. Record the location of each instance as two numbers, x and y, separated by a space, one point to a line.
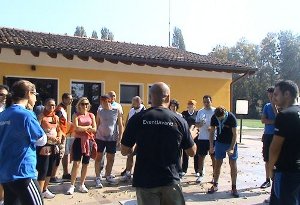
220 151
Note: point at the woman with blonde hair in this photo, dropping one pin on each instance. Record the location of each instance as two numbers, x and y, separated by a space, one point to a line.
84 128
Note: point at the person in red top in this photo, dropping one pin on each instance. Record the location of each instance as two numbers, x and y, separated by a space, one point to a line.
46 154
85 128
61 112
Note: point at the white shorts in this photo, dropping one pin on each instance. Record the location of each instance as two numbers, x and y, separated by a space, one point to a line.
69 143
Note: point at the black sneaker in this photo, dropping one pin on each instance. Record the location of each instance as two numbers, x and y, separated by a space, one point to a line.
235 193
55 180
266 184
66 177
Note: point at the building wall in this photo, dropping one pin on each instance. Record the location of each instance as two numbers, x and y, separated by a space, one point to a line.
184 84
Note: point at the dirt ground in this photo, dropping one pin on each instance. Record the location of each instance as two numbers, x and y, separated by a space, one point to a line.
250 176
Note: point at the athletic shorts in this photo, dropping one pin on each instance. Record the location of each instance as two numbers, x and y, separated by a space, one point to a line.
267 139
77 152
202 147
220 151
69 143
110 146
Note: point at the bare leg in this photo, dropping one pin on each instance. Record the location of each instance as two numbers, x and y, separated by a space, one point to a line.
42 183
97 163
74 171
65 164
1 193
213 160
201 163
129 162
217 170
109 164
233 171
83 173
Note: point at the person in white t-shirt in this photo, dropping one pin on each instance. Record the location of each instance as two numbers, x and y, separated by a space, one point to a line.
203 122
137 106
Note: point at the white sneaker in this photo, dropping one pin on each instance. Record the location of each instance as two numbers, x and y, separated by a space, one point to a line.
1 202
126 177
71 190
47 194
199 179
82 188
111 180
197 174
98 183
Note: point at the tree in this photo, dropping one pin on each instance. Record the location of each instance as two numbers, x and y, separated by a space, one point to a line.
106 34
79 31
177 40
94 34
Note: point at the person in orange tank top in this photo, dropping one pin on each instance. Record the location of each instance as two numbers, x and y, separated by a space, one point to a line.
46 154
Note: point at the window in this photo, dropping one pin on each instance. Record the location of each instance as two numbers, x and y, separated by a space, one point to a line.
86 89
128 92
47 88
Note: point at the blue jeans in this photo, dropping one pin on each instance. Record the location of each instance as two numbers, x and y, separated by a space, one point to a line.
286 189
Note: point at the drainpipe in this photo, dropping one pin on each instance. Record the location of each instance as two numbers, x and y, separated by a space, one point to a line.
231 88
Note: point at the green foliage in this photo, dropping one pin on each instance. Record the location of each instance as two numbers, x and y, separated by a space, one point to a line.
106 34
94 34
277 57
252 123
178 40
79 31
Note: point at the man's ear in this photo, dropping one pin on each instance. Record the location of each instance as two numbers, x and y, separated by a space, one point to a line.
167 99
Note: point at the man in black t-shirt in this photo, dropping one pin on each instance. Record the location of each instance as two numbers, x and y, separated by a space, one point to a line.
225 124
285 147
159 135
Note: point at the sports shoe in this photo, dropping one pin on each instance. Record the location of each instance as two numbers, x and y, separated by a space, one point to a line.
47 194
212 189
235 193
199 179
66 177
267 200
182 174
197 174
1 202
55 180
111 180
266 184
123 172
82 188
71 190
98 183
126 177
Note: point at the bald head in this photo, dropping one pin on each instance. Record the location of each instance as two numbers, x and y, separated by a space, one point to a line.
160 94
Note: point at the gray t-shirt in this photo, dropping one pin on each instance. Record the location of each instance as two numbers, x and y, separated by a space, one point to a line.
107 130
204 115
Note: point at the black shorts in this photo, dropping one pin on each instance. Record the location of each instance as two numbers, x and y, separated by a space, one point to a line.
267 139
202 147
77 152
110 146
45 163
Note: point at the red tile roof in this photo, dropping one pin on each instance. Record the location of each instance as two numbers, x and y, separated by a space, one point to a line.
114 51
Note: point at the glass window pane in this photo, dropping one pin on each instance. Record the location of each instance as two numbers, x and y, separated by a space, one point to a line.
128 92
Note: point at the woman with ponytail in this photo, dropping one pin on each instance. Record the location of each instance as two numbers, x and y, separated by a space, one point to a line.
20 133
46 154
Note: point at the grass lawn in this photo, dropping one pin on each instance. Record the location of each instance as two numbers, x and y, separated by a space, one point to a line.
251 123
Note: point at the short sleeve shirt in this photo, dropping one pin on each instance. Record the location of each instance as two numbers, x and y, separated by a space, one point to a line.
190 118
287 125
159 134
268 112
205 115
108 128
224 129
19 131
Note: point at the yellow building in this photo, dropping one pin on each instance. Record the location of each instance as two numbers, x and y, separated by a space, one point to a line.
91 67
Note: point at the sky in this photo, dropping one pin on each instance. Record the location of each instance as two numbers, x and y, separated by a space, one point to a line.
204 23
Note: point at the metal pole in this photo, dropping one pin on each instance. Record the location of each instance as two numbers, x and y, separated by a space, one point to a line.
241 125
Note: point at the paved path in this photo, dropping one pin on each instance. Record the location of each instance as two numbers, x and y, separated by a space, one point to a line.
250 177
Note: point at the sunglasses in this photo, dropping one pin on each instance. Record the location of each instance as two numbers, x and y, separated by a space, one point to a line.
85 104
2 94
34 93
52 105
